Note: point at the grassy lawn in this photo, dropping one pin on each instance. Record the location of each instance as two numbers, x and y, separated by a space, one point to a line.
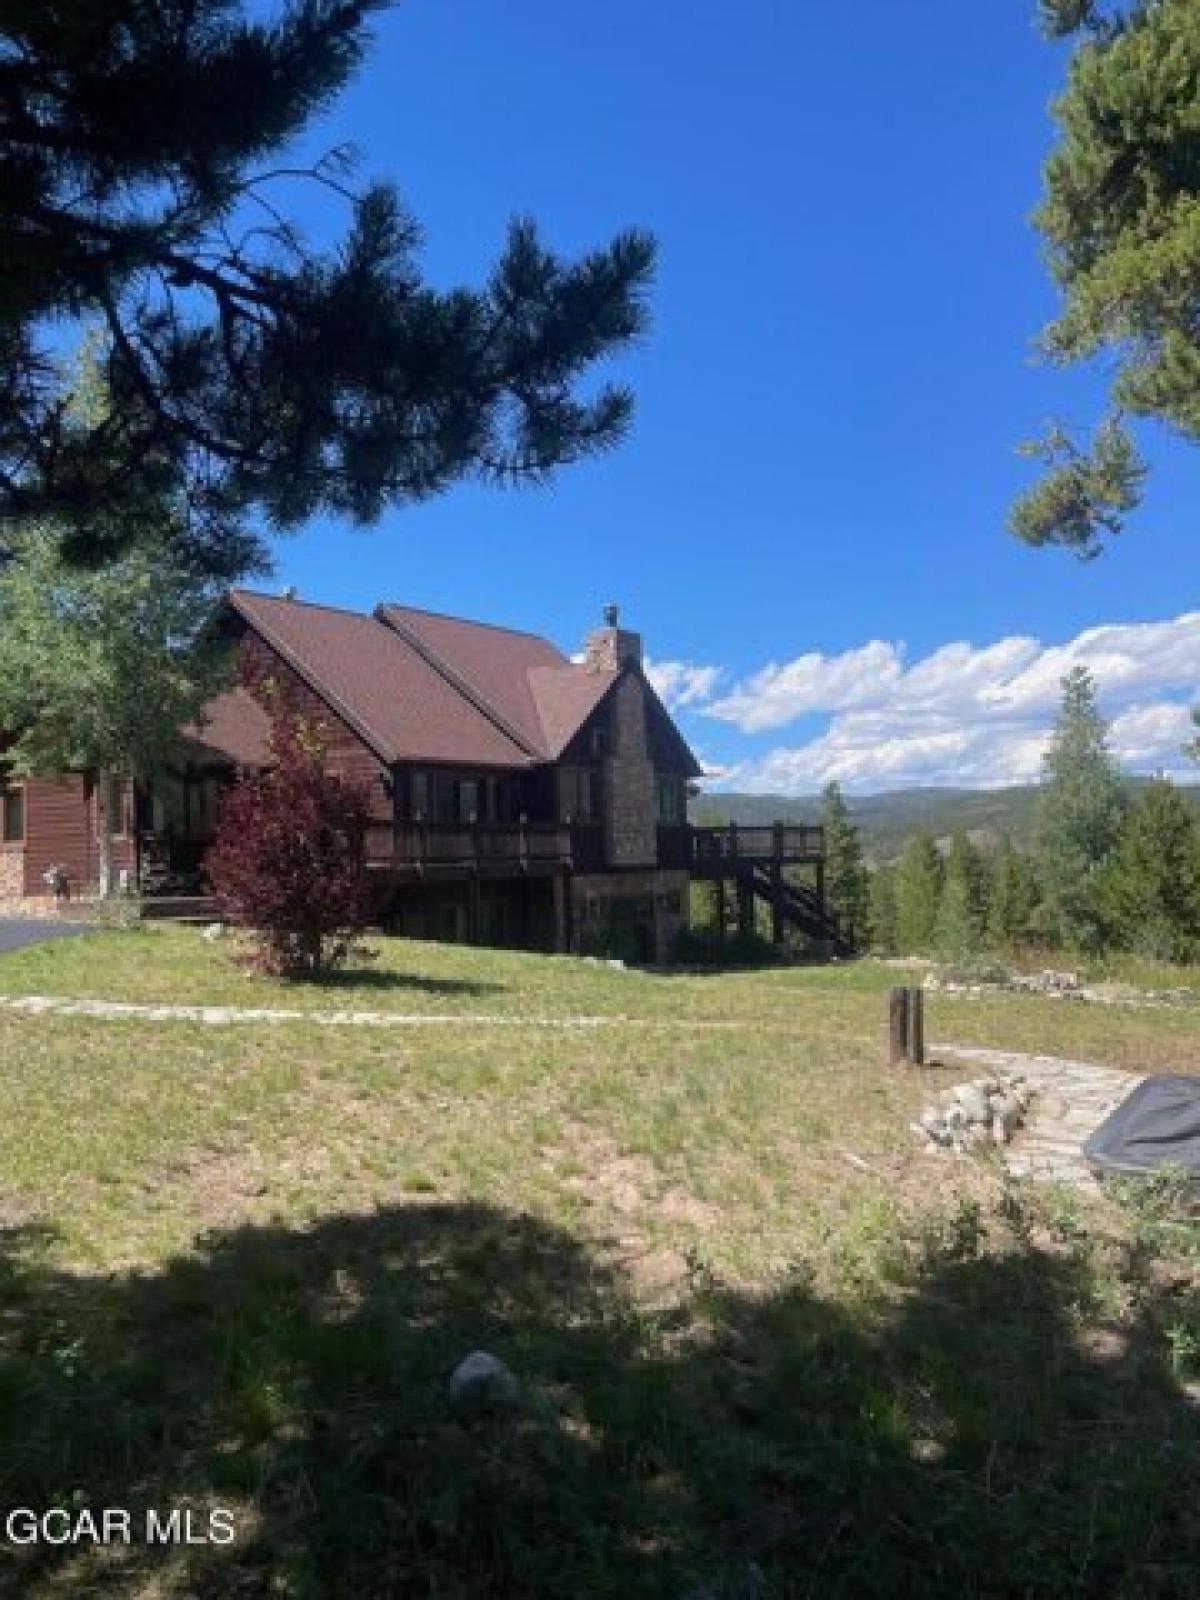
766 1347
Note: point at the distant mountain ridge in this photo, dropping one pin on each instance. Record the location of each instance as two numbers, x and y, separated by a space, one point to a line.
887 821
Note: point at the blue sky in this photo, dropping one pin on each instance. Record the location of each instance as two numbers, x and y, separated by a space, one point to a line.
828 404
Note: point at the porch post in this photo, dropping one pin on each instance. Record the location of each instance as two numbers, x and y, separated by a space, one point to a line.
473 916
745 906
561 885
777 902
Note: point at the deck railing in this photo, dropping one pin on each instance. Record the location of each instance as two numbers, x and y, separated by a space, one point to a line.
778 841
467 843
681 846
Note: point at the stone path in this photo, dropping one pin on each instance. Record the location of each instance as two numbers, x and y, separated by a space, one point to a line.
1072 1100
41 1005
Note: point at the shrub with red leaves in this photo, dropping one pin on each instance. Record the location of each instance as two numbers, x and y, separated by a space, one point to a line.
289 857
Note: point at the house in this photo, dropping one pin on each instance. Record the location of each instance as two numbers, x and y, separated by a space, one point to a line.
517 797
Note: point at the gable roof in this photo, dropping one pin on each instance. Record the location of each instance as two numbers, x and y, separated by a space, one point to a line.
378 684
234 725
524 681
420 686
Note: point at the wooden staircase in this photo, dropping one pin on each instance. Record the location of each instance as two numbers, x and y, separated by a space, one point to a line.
799 907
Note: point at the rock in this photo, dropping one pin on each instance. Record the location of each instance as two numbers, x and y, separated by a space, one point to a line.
972 1115
1003 1124
973 1103
481 1382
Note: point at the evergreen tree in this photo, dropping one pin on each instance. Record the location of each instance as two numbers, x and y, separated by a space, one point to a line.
881 914
1012 899
1151 890
846 888
145 177
918 894
1079 814
1121 218
962 908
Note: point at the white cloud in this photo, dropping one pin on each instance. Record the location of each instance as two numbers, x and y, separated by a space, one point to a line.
782 692
1016 675
870 752
963 714
1149 737
718 773
682 683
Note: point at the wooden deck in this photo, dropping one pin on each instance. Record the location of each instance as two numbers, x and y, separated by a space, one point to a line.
721 852
414 849
504 848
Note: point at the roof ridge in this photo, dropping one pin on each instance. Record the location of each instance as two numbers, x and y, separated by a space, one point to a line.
459 683
335 703
470 622
295 600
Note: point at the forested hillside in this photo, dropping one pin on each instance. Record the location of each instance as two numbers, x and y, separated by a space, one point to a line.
886 821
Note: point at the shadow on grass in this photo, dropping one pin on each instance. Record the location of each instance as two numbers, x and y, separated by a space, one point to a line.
373 980
965 1442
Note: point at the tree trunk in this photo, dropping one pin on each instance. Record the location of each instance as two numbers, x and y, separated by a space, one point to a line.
104 833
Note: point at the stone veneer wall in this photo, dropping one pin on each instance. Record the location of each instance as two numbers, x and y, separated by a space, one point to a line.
630 802
592 897
610 649
12 872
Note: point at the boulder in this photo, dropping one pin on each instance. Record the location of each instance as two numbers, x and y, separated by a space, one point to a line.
482 1382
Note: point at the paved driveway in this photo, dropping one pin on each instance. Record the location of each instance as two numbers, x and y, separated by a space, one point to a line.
17 932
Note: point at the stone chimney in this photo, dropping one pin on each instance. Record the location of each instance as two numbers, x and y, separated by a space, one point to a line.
610 648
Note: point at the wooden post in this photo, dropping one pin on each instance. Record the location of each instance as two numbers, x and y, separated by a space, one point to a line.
916 1027
721 912
474 919
777 929
897 1025
561 891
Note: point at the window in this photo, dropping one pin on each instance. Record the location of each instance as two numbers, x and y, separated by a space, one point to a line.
672 799
468 800
506 801
12 816
419 805
114 804
445 792
578 794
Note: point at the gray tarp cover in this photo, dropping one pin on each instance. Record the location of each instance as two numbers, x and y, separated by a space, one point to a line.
1158 1125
